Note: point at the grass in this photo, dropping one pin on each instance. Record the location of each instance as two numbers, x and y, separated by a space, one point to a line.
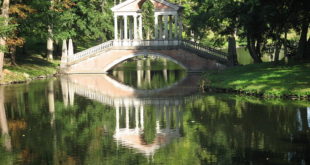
28 69
268 79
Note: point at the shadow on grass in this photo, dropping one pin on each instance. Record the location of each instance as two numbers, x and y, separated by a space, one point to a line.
267 78
35 60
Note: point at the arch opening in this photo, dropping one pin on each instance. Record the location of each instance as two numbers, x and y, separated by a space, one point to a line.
120 60
148 72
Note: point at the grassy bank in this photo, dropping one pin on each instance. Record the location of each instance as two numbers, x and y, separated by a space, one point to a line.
28 69
266 79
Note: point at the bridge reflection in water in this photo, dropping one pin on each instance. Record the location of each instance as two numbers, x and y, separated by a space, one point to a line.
130 105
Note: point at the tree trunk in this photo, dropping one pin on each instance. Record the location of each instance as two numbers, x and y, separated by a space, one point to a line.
2 44
307 54
285 47
253 50
301 52
13 55
148 34
277 51
50 44
232 50
5 15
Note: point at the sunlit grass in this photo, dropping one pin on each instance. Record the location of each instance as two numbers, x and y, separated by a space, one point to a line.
267 78
29 68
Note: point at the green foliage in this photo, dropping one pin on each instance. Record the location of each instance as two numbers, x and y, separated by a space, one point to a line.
262 23
148 19
5 30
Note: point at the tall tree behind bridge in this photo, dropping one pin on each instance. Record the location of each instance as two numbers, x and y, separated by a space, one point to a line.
148 18
5 17
50 41
220 17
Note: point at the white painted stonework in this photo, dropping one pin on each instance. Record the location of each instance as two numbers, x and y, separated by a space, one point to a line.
130 12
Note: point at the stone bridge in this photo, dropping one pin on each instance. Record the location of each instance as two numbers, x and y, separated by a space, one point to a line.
103 57
129 41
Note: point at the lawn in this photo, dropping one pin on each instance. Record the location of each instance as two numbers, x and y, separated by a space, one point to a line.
28 69
269 79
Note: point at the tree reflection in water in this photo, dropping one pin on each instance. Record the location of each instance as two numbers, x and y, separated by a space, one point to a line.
94 119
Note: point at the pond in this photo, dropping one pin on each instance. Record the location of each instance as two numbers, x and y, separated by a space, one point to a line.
146 111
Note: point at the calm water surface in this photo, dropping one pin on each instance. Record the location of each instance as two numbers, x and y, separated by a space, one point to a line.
153 114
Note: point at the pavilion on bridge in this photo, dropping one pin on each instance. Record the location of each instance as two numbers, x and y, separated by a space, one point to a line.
128 22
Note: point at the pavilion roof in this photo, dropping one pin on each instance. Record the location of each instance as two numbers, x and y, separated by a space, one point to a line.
135 6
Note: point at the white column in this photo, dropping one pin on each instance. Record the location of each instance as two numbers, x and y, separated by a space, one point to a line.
166 27
160 27
176 33
115 27
140 27
180 28
64 54
170 27
125 27
156 26
135 27
70 48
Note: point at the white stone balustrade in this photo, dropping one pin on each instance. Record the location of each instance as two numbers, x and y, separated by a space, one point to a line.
156 44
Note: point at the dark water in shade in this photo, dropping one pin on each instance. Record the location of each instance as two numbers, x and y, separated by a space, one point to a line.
95 119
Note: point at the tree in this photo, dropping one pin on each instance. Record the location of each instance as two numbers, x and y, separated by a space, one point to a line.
303 19
5 17
18 13
50 42
148 18
218 16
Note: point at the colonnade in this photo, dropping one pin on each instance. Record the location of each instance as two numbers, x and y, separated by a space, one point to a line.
121 29
129 26
167 26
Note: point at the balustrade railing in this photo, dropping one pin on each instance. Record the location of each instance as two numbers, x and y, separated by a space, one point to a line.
91 51
199 49
205 51
145 43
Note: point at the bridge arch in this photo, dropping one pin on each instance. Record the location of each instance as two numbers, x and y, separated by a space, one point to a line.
129 56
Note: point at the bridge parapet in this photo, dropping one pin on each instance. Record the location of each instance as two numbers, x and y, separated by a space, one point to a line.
205 51
200 50
91 51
